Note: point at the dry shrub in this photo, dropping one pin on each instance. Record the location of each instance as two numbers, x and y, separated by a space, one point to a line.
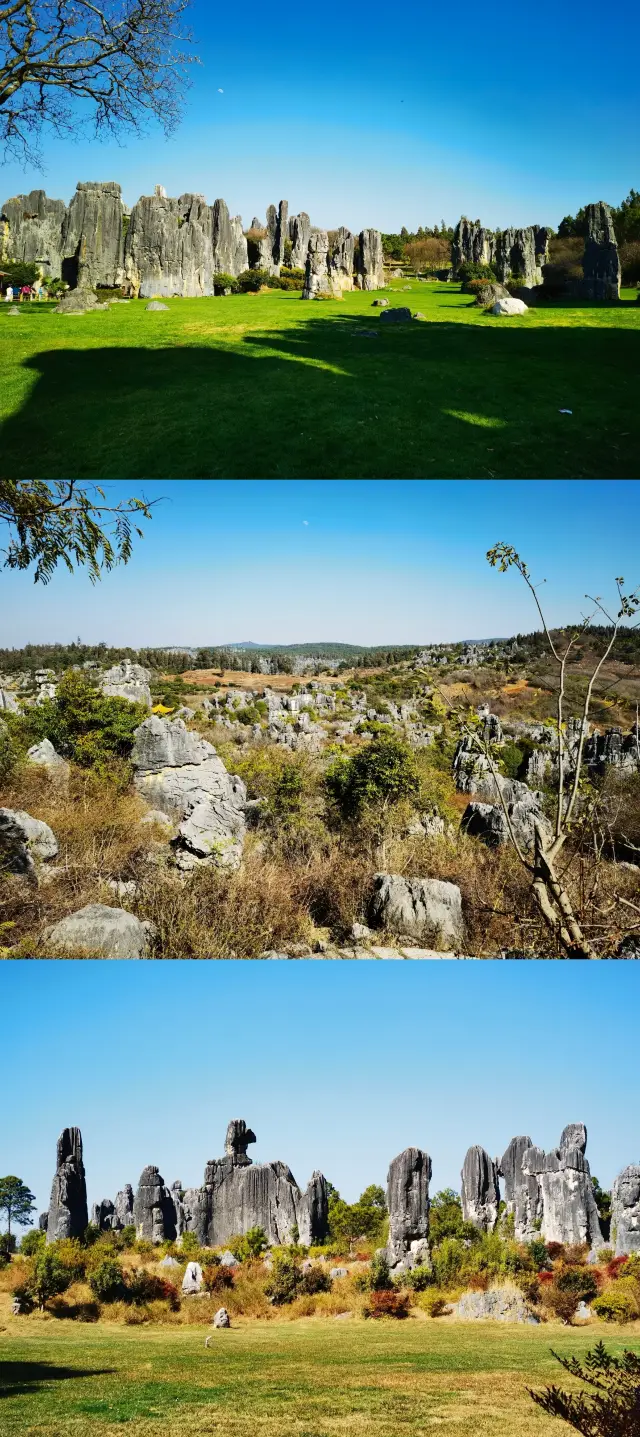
630 262
429 253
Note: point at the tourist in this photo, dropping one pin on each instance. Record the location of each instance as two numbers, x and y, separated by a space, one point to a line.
9 293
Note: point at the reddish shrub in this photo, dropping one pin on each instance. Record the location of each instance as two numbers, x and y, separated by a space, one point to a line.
615 1268
555 1250
388 1304
216 1278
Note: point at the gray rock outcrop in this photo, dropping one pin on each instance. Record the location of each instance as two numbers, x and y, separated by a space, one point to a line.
123 1207
127 681
316 278
153 1211
23 839
408 1205
472 244
92 238
397 314
521 1192
221 1318
499 1304
420 907
8 702
370 260
103 1215
180 773
193 1280
313 1210
229 246
68 1215
169 247
45 755
601 261
34 225
238 1139
516 257
625 1211
79 301
340 261
566 1199
479 1191
101 931
299 232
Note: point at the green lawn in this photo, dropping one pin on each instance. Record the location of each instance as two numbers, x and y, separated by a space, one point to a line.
301 1379
266 386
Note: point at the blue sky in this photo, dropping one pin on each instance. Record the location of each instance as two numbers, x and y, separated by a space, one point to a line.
361 561
386 118
337 1066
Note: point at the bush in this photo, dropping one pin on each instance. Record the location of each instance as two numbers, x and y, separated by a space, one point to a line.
314 1280
86 726
630 264
417 1279
190 1247
252 280
620 1303
19 272
434 1304
107 1281
561 1304
217 1278
144 1287
8 1244
387 1304
615 1409
32 1242
284 1279
49 1276
249 1244
579 1280
470 271
379 1274
225 281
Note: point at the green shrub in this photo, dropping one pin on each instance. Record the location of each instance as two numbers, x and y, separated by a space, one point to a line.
379 1273
249 1244
315 1279
619 1303
580 1280
470 271
32 1242
189 1247
49 1276
418 1279
107 1281
225 281
511 759
434 1304
285 1279
84 725
251 280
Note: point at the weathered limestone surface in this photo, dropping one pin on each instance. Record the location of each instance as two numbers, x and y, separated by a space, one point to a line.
169 247
313 1210
601 261
34 231
180 773
92 236
153 1211
68 1216
408 1205
625 1211
316 279
127 681
124 1207
229 245
100 930
340 261
516 256
472 244
419 907
238 1139
499 1304
22 839
479 1191
566 1203
370 260
299 232
509 1167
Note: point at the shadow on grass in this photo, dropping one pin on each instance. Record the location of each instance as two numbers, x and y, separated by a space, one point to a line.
21 1377
321 398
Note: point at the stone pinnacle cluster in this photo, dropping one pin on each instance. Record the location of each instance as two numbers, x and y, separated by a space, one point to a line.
548 1195
167 247
520 254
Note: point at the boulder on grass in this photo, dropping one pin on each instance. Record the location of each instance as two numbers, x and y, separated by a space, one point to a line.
221 1318
397 315
193 1280
155 306
79 301
105 932
509 306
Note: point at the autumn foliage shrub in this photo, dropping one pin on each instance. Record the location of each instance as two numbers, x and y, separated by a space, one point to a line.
387 1304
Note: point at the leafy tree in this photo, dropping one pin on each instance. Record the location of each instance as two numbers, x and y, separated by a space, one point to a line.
603 1202
121 62
614 1410
107 1281
16 1202
50 1276
445 1216
32 1242
86 725
368 787
64 521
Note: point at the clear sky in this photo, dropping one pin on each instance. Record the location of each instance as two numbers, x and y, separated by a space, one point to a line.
360 561
382 117
337 1066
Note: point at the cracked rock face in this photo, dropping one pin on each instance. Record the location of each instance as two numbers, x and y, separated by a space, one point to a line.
316 279
479 1191
123 1207
408 1204
601 261
521 1191
419 907
92 236
127 681
299 232
370 260
180 773
565 1202
35 230
472 244
68 1215
153 1210
238 1138
625 1211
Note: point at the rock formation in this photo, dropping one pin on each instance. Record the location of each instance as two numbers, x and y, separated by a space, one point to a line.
238 1138
565 1205
230 254
33 231
123 1207
408 1204
479 1192
316 278
625 1211
472 244
516 1191
153 1210
517 257
92 236
601 261
23 839
299 232
103 1216
420 907
180 773
169 249
340 262
127 681
313 1210
370 260
100 931
68 1215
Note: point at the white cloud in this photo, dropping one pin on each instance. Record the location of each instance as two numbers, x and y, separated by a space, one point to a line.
306 523
221 92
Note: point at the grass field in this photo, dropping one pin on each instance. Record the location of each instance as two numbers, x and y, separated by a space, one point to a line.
265 386
280 1379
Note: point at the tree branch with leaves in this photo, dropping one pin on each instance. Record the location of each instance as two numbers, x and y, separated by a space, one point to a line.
64 521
